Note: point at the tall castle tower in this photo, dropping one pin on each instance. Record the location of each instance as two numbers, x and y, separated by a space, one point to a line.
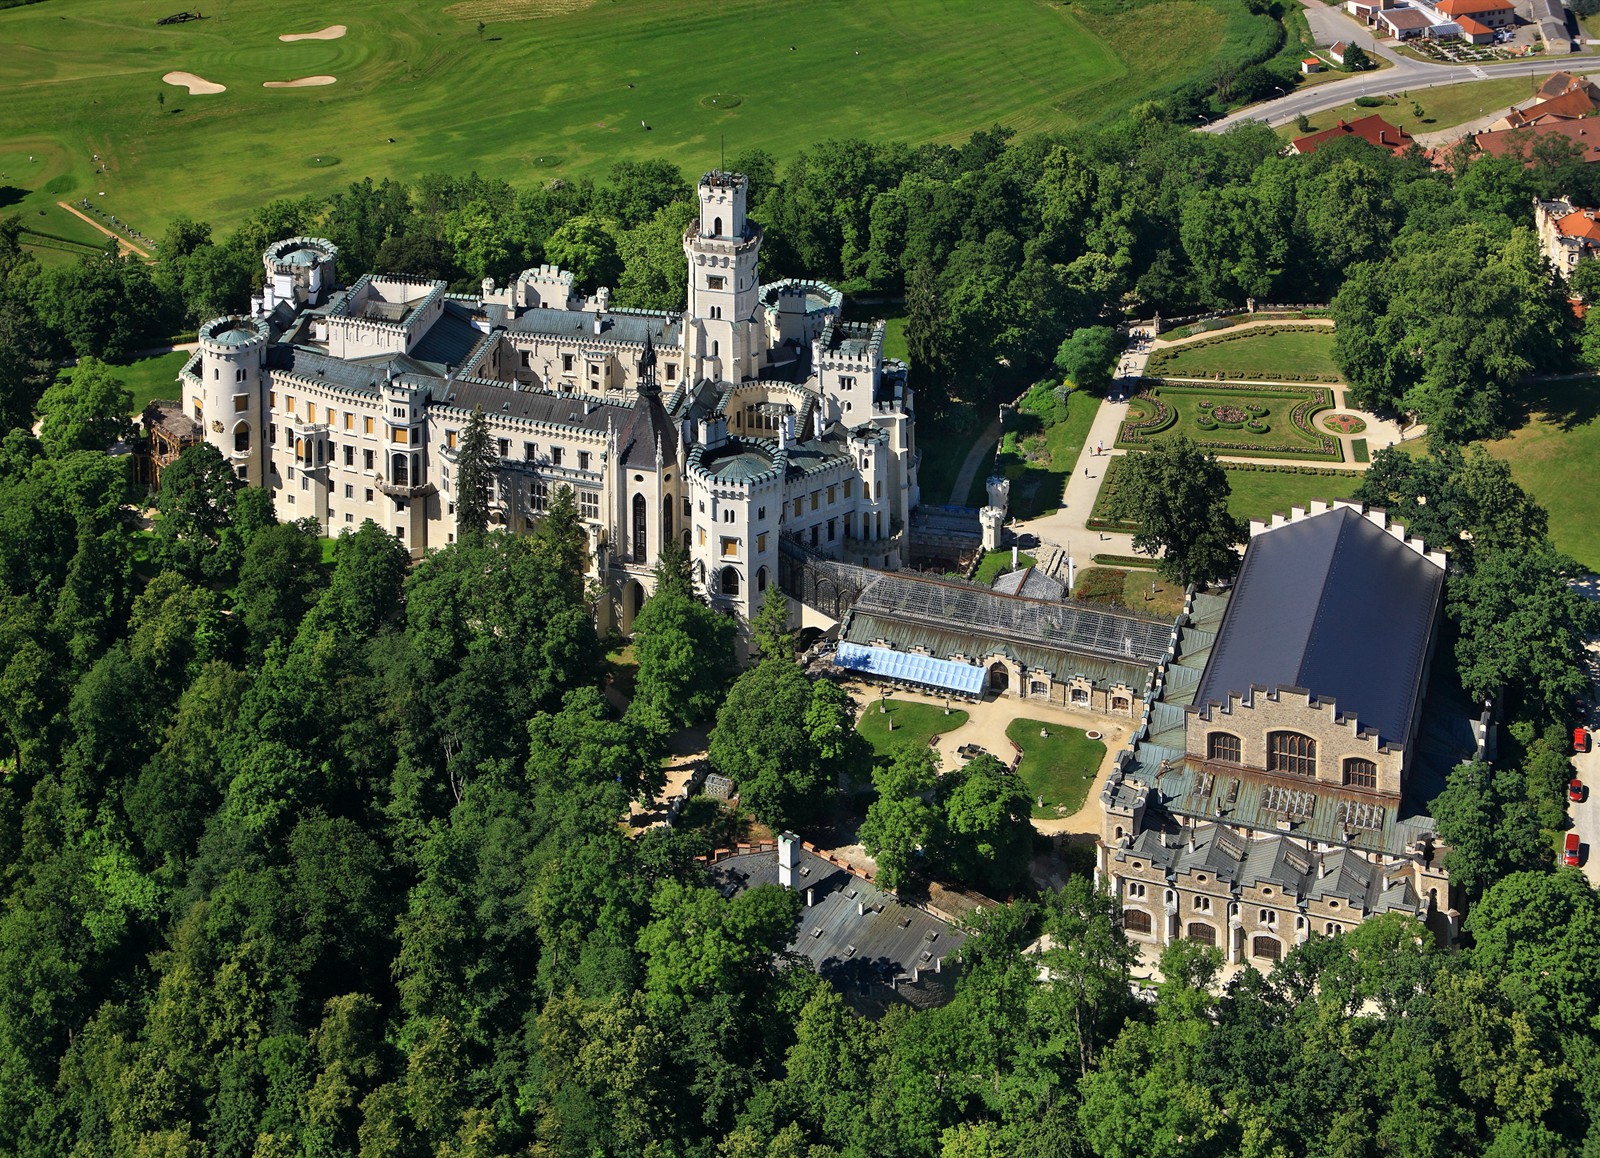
723 246
233 351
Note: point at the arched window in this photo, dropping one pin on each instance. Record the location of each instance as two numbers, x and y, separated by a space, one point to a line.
1202 934
1360 773
1267 948
401 476
241 438
730 581
715 348
300 448
761 579
716 227
639 529
1135 921
1291 752
1080 695
686 538
238 375
1222 746
666 521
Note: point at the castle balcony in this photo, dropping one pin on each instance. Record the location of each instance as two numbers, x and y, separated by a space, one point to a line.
401 491
724 244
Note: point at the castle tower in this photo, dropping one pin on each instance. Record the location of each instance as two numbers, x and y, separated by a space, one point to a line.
233 351
723 247
300 272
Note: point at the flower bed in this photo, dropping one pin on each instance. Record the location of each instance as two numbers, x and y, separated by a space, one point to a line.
1344 423
1156 410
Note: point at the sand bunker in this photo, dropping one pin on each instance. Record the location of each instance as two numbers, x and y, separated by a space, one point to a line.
332 32
197 85
302 82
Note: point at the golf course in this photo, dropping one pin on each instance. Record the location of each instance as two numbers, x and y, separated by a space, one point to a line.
212 116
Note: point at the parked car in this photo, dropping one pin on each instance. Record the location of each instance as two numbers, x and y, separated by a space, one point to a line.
1580 739
1575 791
1569 855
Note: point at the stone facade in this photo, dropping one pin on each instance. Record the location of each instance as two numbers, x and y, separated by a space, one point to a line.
755 413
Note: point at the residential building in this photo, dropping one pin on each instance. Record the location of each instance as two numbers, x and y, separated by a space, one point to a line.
755 414
1278 785
1489 13
1372 129
1523 142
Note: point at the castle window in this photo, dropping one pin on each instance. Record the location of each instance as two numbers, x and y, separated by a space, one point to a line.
1360 773
716 349
349 420
199 414
730 581
715 281
831 529
366 459
566 363
832 496
272 397
366 424
816 497
349 455
716 313
639 529
1267 948
849 487
688 509
311 411
349 491
241 438
241 403
761 541
1202 934
1080 695
799 504
238 375
730 548
556 455
761 579
450 439
727 514
672 371
1222 746
1135 921
400 435
1291 752
368 495
761 513
589 504
505 447
529 451
1202 904
216 373
288 401
701 532
538 494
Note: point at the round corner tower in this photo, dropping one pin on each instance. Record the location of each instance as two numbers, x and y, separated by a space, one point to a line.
233 355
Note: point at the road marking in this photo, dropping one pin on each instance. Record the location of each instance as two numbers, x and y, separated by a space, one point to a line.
1478 72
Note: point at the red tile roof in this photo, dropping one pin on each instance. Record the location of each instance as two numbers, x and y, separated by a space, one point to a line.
1455 8
1374 130
1585 133
1403 18
1473 27
1580 223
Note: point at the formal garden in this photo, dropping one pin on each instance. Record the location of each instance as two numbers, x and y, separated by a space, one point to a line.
1270 353
1256 491
892 724
1058 765
1043 437
1231 419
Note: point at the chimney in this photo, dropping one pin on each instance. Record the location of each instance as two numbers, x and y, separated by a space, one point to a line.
786 858
810 900
599 323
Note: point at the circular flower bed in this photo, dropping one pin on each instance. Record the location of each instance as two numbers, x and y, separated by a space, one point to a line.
1344 423
1228 413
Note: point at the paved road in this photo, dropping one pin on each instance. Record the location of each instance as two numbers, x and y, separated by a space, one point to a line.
1405 75
1586 814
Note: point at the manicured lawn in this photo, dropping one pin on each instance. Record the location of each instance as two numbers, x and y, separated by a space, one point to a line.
1185 408
551 89
914 723
1442 107
997 563
1142 591
1553 456
1058 767
148 378
1305 354
1257 494
1041 444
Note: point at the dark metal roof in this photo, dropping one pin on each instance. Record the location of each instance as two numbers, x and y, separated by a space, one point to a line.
868 955
619 326
534 405
1335 605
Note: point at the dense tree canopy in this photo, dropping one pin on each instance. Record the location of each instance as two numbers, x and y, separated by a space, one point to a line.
1178 494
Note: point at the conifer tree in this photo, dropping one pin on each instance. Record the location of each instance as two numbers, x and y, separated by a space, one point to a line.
474 468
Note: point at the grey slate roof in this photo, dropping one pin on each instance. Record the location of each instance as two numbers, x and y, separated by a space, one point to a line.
533 405
1334 605
867 956
626 326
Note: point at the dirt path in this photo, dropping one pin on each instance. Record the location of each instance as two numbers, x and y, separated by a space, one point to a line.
127 246
978 458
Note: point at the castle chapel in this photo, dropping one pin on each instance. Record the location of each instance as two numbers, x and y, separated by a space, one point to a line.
757 412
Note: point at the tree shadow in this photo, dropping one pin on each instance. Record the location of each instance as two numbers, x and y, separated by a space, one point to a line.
1567 403
10 195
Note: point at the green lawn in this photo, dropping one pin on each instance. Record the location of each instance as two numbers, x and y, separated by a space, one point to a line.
997 563
550 89
1257 494
914 723
1042 442
148 378
1553 456
1187 408
1058 768
1442 107
1304 354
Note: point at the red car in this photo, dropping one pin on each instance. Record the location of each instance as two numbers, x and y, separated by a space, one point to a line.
1570 854
1580 739
1575 791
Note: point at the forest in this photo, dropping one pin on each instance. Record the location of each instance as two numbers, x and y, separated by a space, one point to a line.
307 857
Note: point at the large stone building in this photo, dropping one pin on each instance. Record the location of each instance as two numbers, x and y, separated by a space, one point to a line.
1278 786
756 413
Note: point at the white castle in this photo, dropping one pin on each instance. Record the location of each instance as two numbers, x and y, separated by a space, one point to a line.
756 413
